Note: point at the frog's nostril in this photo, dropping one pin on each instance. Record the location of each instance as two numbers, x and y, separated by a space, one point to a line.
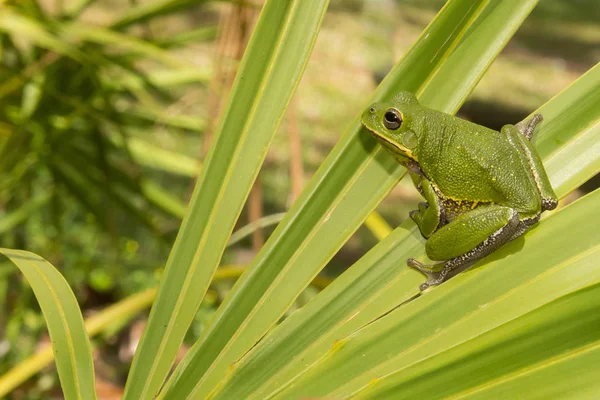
372 109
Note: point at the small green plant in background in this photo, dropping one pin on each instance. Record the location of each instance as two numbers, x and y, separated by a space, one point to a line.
509 326
77 105
74 105
81 175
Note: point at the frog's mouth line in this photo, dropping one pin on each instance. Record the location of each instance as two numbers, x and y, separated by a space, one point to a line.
404 150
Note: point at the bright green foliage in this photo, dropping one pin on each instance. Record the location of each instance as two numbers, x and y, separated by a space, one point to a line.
464 308
71 99
70 342
552 343
379 282
269 73
520 321
355 177
78 115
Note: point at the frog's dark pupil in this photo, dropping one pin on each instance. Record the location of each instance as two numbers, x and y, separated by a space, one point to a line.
392 119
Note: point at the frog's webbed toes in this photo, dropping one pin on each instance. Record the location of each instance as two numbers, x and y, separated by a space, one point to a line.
418 215
435 273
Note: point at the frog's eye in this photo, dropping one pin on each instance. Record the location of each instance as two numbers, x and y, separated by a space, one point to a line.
392 119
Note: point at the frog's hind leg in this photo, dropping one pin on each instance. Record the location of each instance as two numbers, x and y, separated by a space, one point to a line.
466 239
549 199
524 225
527 128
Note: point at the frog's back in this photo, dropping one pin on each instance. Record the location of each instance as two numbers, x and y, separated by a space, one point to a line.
470 162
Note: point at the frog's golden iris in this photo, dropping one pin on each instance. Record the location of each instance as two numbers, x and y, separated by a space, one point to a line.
392 119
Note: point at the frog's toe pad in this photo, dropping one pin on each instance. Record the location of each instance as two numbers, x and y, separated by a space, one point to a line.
434 274
414 215
424 268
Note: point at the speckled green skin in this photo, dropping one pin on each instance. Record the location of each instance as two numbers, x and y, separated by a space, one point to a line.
483 187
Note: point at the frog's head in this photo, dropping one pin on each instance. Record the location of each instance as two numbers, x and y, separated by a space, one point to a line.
392 124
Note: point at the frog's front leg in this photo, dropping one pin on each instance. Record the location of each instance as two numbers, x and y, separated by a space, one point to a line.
466 239
429 214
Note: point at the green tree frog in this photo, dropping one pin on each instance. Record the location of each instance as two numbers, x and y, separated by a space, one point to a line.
483 188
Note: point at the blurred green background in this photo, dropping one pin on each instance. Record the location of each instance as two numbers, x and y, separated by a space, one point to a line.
107 109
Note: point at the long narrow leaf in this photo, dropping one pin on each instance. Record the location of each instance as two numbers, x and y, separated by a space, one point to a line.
570 142
379 281
504 362
153 156
517 281
70 342
351 182
147 11
122 311
269 72
26 28
130 44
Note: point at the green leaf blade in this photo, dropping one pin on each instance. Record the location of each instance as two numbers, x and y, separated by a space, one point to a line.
70 343
568 140
269 73
572 377
127 43
148 11
28 28
354 179
516 281
507 357
569 160
379 281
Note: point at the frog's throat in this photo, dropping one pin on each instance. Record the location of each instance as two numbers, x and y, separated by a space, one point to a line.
404 150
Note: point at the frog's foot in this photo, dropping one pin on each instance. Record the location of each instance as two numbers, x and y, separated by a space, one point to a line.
528 127
418 215
435 273
438 273
427 219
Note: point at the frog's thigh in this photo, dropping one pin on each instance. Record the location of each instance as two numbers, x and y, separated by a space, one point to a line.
428 218
549 199
467 231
